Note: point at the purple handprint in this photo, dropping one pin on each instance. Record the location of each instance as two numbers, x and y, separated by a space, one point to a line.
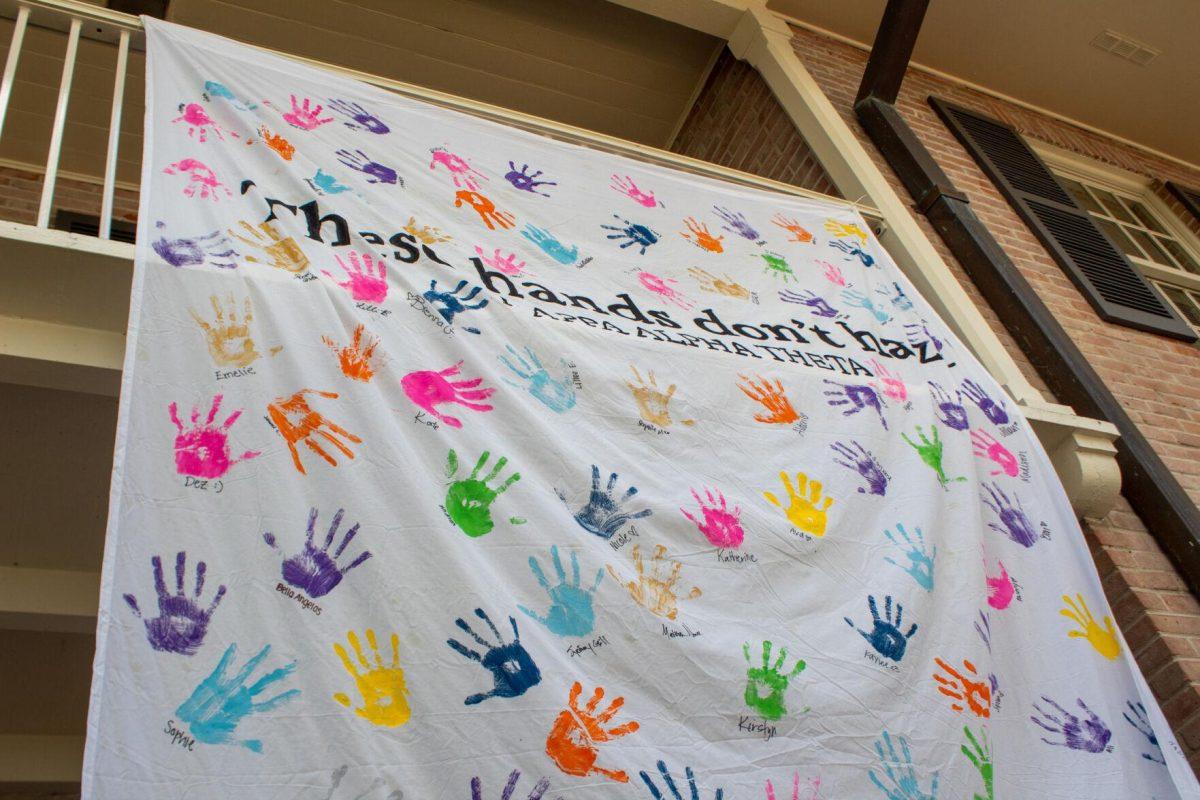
313 570
950 412
1013 522
735 222
818 305
181 622
861 461
375 172
1090 735
995 412
857 396
525 181
211 248
360 118
920 333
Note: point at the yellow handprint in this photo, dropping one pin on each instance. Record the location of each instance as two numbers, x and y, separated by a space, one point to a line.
426 234
1103 639
841 229
382 688
653 404
806 513
228 340
282 252
655 591
726 286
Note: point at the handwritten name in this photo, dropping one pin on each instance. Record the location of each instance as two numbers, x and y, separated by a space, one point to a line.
421 418
801 425
418 302
587 647
299 597
179 737
203 485
751 725
1046 532
875 658
235 373
1009 430
646 426
799 534
1016 589
576 381
305 277
997 697
731 557
372 308
677 633
1024 462
622 539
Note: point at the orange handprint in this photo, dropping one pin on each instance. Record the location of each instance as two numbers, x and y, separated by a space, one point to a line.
975 693
307 423
798 233
779 409
485 208
355 358
698 235
280 145
574 738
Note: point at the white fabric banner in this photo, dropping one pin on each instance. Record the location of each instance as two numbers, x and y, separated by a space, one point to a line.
455 461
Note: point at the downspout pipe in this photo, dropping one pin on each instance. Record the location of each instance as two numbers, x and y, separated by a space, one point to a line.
1149 486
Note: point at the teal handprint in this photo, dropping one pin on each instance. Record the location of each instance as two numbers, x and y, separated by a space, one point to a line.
571 612
902 783
981 757
469 501
930 451
920 561
555 394
766 686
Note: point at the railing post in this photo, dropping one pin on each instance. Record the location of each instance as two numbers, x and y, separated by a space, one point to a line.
114 135
60 123
10 65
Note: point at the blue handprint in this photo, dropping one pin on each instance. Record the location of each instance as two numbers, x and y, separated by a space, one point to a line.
549 245
631 234
213 89
450 304
602 514
735 222
375 172
852 250
571 612
181 623
360 118
512 668
885 636
219 704
903 778
556 395
857 299
313 570
1141 721
900 300
525 181
324 183
669 782
950 411
920 562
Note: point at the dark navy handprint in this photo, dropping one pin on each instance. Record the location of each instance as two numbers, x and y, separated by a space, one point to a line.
512 668
669 782
526 181
181 622
631 234
853 251
456 301
885 636
603 514
1013 522
313 570
359 118
571 612
1090 735
950 412
995 412
1141 721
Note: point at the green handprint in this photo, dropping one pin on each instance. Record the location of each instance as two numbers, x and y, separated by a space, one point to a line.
930 451
981 757
469 501
766 686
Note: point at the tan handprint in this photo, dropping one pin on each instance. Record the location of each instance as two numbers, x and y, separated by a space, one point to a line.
296 421
779 409
229 341
355 358
655 591
425 234
382 688
1103 639
726 286
808 514
281 252
653 404
842 229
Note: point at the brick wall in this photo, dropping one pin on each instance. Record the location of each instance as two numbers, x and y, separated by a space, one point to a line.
21 191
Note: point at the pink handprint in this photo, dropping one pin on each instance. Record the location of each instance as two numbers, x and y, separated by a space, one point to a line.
461 172
305 116
892 384
663 287
428 389
506 264
366 278
627 187
200 179
202 450
1000 587
832 273
196 118
720 526
987 447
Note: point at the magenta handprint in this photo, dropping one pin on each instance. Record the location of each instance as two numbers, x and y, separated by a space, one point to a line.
525 180
359 119
986 446
855 457
950 411
832 273
627 187
428 389
892 384
211 248
665 288
461 172
720 526
198 122
181 622
1013 521
305 116
366 279
505 264
1000 588
201 179
995 412
313 570
202 450
857 397
375 172
818 305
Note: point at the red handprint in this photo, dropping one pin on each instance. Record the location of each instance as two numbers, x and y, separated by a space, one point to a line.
720 526
296 421
203 449
574 739
366 278
974 693
485 208
428 389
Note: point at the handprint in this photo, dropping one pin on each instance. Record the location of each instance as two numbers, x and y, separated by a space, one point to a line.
766 686
228 339
893 385
512 668
655 590
198 122
796 232
721 527
556 394
335 780
603 514
213 89
373 170
382 688
631 234
853 251
454 302
857 299
665 288
950 412
506 264
1090 735
832 273
539 789
812 784
885 637
995 412
357 358
573 743
201 179
469 500
920 561
669 782
817 305
983 627
920 333
525 181
726 286
209 248
305 116
697 233
986 446
808 514
963 690
366 278
282 147
281 252
859 459
325 184
571 612
1013 521
1000 588
1103 639
461 172
219 703
844 229
653 404
777 408
428 389
857 396
313 570
425 234
1141 721
981 757
903 778
931 452
296 421
181 622
202 450
735 222
627 187
899 299
777 266
359 119
485 208
549 245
